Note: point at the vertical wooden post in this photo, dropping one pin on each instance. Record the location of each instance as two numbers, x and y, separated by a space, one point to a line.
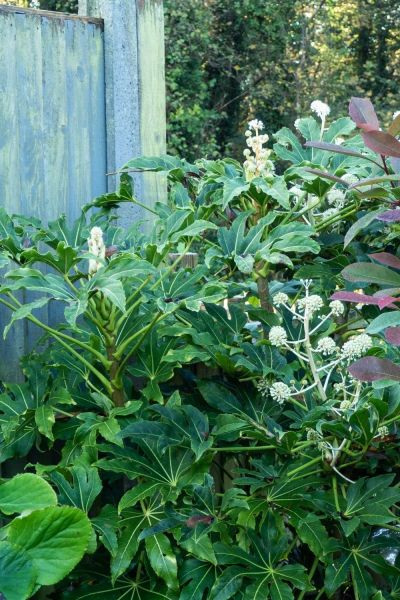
135 90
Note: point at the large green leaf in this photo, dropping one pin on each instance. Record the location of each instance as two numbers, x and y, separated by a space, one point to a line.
25 492
54 538
17 574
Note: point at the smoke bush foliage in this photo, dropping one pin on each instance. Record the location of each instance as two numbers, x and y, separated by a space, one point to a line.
200 421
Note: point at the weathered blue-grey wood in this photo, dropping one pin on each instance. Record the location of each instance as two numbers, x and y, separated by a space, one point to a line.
135 91
52 127
79 96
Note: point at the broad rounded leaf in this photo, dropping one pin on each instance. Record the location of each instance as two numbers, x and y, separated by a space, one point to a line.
390 216
55 539
26 492
381 301
382 143
392 335
362 111
385 258
371 368
370 273
17 575
383 321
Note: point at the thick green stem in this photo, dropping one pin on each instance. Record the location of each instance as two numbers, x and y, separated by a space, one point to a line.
263 287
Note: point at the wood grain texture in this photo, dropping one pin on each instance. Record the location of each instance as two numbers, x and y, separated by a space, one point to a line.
52 128
135 93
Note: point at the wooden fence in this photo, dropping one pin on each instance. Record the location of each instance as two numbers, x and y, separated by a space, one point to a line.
79 96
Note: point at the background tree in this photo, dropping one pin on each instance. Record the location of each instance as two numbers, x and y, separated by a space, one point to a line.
230 60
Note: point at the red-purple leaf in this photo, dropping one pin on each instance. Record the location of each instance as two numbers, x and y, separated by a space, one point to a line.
390 216
394 128
362 112
339 150
392 335
381 301
385 258
382 143
371 368
327 176
371 273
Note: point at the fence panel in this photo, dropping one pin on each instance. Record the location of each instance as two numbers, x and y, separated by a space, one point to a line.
52 127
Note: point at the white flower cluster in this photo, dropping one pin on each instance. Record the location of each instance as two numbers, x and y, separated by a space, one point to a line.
356 347
34 4
336 199
326 346
337 308
257 163
280 392
97 248
280 298
310 304
320 108
277 336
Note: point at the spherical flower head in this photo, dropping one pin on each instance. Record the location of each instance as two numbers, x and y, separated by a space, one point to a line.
34 4
356 347
345 404
382 431
320 108
326 346
313 436
349 178
396 114
297 123
336 198
310 304
280 392
280 298
277 336
256 125
337 308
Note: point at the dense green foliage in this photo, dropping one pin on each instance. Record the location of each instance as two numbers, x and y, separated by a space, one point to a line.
228 59
195 403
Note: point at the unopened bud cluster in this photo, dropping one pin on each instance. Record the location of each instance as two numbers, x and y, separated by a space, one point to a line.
257 163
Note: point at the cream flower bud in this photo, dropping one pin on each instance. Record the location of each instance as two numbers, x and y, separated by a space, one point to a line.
256 125
97 247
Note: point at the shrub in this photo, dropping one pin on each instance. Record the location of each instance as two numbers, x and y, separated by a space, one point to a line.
191 396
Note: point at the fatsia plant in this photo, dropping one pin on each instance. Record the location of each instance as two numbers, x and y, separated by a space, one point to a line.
190 396
41 545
